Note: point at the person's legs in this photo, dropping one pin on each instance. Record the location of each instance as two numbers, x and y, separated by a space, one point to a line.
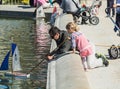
95 10
92 60
84 62
83 18
53 17
111 7
118 19
117 22
108 11
113 12
108 7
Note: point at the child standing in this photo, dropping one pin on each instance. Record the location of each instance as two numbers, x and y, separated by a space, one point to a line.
54 15
85 48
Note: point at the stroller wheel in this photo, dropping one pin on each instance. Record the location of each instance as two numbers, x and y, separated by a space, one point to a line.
113 52
94 20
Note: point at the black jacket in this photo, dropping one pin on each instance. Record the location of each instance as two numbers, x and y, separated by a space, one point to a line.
65 46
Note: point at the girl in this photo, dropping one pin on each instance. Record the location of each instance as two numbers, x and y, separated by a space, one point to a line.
85 48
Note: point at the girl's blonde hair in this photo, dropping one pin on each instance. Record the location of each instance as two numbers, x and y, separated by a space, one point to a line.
72 25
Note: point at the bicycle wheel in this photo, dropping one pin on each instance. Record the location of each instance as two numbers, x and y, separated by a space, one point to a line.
94 20
113 52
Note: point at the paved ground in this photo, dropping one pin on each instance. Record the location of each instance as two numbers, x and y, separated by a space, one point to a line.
17 11
103 35
20 8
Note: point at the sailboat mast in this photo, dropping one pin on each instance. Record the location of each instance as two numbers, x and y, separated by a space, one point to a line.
11 56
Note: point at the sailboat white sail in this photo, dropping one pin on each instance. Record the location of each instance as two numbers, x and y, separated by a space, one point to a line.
15 58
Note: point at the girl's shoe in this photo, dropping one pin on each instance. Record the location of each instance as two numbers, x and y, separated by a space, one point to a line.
105 61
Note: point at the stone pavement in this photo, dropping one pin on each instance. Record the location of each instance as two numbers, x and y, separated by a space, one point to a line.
103 36
20 8
17 11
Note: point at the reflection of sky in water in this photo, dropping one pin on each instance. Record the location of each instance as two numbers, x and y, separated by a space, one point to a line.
32 44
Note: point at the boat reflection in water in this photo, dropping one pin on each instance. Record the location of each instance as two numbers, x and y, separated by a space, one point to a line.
33 46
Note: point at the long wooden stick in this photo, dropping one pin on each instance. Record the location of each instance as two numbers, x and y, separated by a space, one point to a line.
36 66
44 59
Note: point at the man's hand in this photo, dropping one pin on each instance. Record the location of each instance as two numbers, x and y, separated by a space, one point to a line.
115 5
50 57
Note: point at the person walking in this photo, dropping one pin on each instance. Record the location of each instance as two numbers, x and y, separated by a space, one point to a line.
85 48
96 4
110 8
62 41
71 7
117 6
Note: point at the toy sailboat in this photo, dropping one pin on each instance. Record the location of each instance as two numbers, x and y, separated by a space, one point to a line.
15 67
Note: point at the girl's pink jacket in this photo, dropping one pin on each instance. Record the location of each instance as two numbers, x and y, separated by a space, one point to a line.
39 1
80 42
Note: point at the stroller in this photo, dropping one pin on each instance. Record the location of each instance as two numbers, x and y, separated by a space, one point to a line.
85 14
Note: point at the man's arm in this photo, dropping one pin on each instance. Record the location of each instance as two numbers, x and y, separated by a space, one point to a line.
66 45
